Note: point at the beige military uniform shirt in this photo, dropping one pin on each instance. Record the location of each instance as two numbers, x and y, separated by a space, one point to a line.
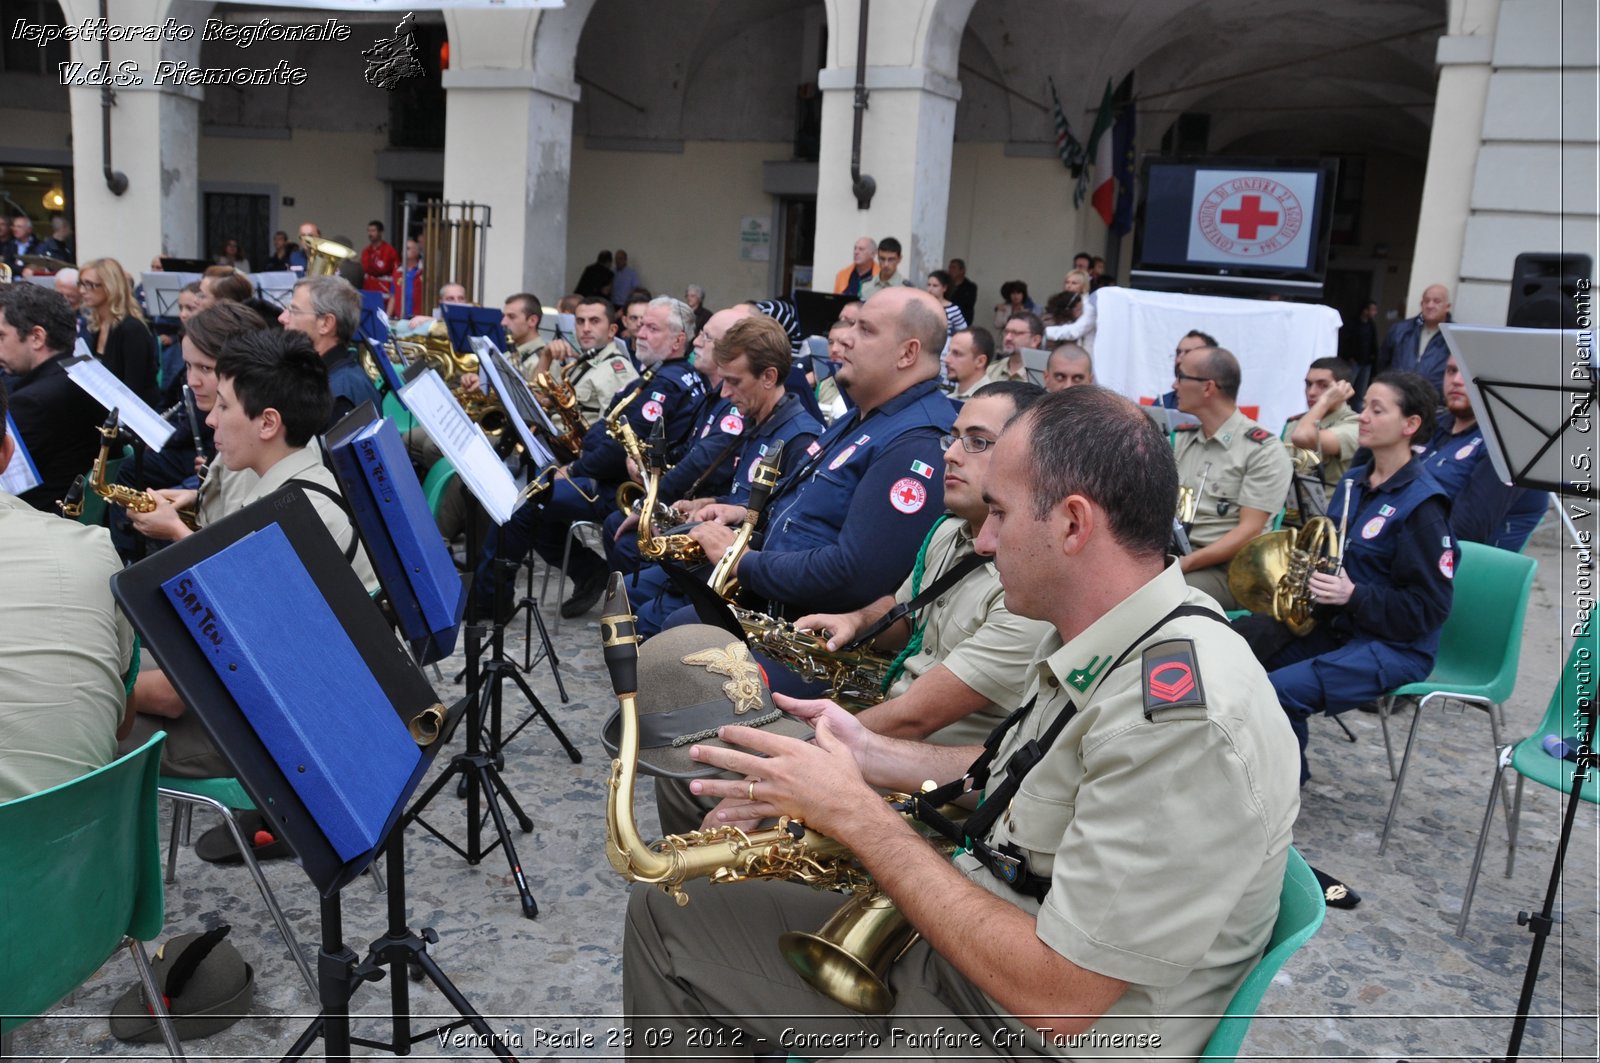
874 284
596 379
527 356
968 630
64 648
306 464
1248 466
1000 369
1344 423
1161 814
223 492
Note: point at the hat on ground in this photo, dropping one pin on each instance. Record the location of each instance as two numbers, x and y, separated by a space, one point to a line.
206 986
692 680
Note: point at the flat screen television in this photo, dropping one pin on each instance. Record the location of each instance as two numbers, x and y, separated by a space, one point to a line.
1234 226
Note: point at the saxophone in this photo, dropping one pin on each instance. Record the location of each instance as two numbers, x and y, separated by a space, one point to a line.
652 547
620 429
849 959
553 385
117 494
856 678
725 577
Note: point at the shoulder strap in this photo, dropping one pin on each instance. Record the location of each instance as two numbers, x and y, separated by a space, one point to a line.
1010 865
955 575
338 499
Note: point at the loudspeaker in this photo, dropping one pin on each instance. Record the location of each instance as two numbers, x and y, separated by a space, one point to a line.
1544 287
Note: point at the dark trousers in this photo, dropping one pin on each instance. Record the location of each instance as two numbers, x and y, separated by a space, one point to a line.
541 526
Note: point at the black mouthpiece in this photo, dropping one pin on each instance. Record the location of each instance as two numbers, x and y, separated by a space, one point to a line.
619 642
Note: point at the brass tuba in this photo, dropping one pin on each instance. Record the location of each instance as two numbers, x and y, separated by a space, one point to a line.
857 677
323 257
787 851
1272 573
725 577
117 494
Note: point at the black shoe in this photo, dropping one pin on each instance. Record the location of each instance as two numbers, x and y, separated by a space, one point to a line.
1335 893
584 596
216 846
1399 706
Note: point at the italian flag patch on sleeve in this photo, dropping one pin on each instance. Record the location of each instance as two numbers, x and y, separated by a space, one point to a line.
922 469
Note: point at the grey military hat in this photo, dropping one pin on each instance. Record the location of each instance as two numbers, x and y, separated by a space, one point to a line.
692 680
206 986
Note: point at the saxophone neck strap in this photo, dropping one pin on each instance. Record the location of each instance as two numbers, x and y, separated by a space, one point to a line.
1008 863
949 579
338 500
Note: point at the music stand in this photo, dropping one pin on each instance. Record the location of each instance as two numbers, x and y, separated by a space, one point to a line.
276 286
462 322
521 408
136 415
1534 391
817 311
281 736
161 291
484 475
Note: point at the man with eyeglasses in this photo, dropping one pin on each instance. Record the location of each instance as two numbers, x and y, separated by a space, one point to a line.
1192 340
328 310
969 655
1023 329
961 657
1237 468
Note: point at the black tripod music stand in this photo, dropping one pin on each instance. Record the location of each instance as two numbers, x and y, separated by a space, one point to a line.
284 738
1534 393
481 709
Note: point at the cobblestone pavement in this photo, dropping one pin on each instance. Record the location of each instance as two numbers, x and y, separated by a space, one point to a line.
1387 980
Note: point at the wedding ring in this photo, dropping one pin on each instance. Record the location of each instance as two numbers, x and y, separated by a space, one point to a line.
750 791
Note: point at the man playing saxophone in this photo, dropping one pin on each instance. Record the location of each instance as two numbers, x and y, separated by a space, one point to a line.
1123 875
596 371
962 656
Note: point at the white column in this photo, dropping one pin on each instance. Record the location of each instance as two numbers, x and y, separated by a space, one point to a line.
1464 67
154 142
508 138
907 131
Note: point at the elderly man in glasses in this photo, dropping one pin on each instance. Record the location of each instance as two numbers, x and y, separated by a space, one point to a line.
1238 470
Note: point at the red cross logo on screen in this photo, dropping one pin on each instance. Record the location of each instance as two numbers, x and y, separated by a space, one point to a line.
1249 216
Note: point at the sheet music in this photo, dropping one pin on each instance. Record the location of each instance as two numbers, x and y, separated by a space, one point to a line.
516 398
22 474
276 287
161 291
463 442
93 377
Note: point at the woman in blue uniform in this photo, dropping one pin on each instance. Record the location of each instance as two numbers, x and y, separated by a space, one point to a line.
1380 615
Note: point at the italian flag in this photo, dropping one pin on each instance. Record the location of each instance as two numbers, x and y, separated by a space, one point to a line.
1103 196
922 469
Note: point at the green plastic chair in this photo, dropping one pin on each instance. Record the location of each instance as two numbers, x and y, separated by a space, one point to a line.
396 411
1529 760
80 876
437 482
94 507
1478 651
1300 910
221 795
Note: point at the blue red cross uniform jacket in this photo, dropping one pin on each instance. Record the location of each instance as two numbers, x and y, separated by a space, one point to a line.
1482 509
672 393
844 530
1401 555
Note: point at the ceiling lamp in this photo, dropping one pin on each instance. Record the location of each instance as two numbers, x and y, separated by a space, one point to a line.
55 199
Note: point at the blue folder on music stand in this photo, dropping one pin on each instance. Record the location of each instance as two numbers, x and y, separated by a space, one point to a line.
463 322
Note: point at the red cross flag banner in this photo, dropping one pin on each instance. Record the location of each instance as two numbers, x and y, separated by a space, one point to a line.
1241 217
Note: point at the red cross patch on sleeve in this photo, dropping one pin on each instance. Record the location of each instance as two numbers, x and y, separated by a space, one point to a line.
908 495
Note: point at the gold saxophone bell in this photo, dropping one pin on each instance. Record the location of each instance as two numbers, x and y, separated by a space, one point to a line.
5 273
1272 573
564 400
1188 505
849 957
426 725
